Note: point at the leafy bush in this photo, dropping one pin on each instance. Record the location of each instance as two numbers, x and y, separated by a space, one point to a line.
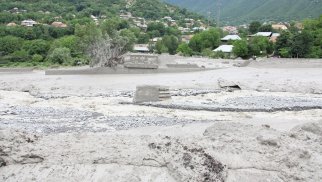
10 44
240 48
37 58
184 49
60 56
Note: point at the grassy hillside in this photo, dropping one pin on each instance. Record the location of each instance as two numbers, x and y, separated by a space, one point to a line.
243 11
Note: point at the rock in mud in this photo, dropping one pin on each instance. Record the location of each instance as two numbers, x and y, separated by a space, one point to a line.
31 159
227 85
188 163
2 162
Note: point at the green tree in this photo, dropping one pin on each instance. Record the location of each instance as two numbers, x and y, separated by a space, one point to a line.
184 49
19 56
172 31
131 39
284 40
254 27
171 42
302 44
86 35
143 38
284 52
10 44
37 46
156 27
206 39
60 56
70 42
260 46
240 48
266 28
160 47
112 25
37 58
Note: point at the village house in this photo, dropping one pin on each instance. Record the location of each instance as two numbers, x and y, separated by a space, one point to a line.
274 37
58 18
17 11
11 24
126 16
141 48
299 25
14 10
167 18
140 23
29 23
156 39
198 29
230 38
226 49
189 24
58 24
95 19
263 34
187 30
279 27
186 38
173 23
230 29
190 20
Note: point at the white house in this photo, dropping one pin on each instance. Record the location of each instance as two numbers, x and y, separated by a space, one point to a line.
28 23
225 49
156 39
263 34
231 37
143 48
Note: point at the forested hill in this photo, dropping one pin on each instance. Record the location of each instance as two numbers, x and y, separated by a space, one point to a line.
61 32
245 11
149 9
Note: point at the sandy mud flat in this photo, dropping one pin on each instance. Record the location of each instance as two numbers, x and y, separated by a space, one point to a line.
262 122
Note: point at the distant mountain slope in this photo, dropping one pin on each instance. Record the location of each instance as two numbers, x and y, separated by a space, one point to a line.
149 9
242 11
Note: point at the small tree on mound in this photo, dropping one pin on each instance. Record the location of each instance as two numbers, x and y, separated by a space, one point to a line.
107 51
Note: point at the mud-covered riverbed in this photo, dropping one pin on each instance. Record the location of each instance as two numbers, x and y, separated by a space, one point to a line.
86 128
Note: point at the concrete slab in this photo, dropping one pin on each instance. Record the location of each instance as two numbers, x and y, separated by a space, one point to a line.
151 93
182 66
141 66
16 70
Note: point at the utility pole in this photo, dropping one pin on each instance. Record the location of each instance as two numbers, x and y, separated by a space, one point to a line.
218 13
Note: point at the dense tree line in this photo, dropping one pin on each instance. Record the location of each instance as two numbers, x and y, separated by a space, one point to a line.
306 43
44 45
292 43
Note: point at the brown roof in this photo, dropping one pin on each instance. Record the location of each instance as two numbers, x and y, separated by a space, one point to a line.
12 24
59 24
279 27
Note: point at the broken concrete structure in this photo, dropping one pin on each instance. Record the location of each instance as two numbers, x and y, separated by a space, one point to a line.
151 93
142 61
135 64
